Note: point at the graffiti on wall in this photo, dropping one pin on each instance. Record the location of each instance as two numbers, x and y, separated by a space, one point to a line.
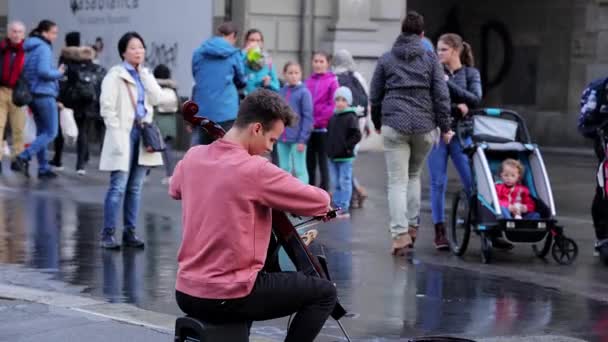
162 53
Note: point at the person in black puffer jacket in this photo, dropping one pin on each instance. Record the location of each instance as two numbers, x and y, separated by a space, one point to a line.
80 91
465 94
409 99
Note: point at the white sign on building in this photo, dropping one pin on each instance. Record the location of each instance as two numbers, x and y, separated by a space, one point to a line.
171 30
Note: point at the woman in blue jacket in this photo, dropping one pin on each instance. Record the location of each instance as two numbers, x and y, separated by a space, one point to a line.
217 68
258 65
43 79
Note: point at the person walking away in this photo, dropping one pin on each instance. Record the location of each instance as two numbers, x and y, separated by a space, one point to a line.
464 84
72 39
218 71
409 99
592 125
165 116
343 134
12 59
322 84
345 70
291 147
128 94
80 91
43 79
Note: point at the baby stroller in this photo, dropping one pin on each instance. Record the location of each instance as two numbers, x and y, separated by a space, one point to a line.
488 137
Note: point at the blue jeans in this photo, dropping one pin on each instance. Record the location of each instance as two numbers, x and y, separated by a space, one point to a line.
127 185
46 118
341 175
527 216
438 169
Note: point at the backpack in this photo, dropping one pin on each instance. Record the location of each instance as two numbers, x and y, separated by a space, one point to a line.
594 108
348 79
82 87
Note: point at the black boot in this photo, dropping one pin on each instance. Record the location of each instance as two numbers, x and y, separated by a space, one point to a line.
129 239
47 175
602 248
441 243
108 241
21 165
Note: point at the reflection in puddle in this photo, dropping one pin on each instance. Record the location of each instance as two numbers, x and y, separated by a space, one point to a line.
388 298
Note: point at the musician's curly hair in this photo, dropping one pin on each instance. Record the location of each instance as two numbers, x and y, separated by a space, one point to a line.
266 107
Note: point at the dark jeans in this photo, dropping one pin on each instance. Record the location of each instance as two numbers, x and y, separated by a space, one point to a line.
168 156
200 136
599 214
599 206
82 143
316 151
274 295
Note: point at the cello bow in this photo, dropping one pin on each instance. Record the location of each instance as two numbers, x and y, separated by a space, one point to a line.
282 227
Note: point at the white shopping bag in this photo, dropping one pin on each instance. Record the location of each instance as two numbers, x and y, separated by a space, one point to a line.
29 131
68 125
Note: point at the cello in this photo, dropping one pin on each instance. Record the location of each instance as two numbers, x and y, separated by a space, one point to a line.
282 226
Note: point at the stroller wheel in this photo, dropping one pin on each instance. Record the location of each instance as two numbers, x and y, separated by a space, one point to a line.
460 224
564 250
486 248
542 253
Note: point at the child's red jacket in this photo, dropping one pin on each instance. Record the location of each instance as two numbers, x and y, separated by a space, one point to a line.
508 195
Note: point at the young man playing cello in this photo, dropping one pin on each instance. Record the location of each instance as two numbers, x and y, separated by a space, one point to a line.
228 191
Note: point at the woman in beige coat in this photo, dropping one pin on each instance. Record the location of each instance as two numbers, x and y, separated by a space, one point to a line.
128 94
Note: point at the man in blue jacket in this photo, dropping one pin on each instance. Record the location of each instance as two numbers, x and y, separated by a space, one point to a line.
218 71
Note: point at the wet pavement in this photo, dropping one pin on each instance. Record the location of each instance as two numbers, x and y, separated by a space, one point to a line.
51 229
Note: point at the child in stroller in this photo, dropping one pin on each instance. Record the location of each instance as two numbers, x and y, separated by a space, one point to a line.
514 197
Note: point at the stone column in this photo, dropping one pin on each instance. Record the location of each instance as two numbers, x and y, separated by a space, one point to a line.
353 29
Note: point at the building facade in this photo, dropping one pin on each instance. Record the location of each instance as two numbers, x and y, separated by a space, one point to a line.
535 56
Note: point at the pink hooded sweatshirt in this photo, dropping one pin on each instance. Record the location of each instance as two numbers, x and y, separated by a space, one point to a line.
322 87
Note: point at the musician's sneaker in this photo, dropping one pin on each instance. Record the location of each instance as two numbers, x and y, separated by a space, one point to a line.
129 238
343 215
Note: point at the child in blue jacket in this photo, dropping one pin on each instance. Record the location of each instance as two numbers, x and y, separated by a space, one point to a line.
291 147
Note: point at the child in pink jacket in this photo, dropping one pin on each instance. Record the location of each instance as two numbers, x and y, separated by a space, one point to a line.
322 84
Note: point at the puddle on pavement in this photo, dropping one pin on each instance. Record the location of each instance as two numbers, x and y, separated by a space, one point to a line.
388 299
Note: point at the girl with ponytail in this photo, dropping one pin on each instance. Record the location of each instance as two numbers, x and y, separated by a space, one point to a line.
465 94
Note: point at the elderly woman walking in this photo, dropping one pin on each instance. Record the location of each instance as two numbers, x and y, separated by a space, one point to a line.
345 69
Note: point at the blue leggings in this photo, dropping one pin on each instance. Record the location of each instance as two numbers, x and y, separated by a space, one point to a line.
438 169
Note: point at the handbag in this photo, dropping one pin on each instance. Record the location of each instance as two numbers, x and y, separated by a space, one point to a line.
21 93
150 133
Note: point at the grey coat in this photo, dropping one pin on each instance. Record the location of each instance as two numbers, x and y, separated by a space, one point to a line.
408 89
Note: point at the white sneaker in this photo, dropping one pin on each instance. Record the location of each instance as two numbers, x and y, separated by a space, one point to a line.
57 168
81 172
